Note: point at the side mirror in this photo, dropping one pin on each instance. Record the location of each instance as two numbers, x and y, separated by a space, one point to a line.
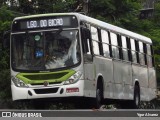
6 40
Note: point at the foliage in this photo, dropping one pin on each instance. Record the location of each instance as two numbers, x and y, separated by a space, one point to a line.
5 92
47 6
5 21
113 10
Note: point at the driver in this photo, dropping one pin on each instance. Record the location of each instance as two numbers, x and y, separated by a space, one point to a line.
64 50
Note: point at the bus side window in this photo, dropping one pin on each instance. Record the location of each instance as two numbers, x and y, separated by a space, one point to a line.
95 40
115 48
105 43
133 51
141 53
124 48
149 56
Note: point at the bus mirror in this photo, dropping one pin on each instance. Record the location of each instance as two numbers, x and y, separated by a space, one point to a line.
6 40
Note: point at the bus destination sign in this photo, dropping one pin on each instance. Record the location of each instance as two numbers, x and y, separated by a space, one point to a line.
45 22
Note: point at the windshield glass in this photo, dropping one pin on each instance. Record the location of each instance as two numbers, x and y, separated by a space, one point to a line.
45 50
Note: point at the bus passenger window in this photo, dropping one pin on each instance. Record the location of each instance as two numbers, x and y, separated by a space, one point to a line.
149 56
95 40
148 49
114 42
141 53
105 43
124 48
133 48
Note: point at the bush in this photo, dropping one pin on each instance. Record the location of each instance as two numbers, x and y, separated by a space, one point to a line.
5 89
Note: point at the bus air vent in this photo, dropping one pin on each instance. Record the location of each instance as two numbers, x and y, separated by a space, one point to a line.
46 91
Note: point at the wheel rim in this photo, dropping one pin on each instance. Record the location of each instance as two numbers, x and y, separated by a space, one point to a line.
98 96
137 99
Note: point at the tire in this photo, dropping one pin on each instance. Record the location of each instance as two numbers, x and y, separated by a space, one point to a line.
136 100
99 97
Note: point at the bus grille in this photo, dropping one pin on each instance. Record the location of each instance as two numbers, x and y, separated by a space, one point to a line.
45 76
46 91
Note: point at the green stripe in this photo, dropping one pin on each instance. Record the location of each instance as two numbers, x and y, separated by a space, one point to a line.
23 76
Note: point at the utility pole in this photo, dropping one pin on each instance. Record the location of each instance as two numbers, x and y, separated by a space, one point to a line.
83 6
86 6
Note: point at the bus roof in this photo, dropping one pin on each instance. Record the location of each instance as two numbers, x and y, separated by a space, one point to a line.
115 28
99 23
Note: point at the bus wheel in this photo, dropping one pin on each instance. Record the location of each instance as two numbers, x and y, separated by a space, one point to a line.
136 101
99 97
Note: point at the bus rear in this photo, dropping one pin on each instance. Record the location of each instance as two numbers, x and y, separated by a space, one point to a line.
46 57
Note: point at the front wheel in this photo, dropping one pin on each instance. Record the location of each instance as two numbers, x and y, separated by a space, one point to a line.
99 97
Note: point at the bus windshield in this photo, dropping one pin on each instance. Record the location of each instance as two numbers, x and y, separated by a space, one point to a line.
45 50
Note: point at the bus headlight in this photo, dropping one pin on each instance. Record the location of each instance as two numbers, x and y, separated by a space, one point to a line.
17 82
74 78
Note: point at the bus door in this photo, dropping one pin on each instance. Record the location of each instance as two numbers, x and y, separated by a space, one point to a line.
89 73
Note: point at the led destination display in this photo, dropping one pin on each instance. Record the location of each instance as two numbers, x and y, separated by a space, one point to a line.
45 22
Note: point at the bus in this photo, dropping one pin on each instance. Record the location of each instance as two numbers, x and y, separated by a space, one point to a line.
64 55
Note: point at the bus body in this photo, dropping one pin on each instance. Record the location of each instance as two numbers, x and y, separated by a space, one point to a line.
73 55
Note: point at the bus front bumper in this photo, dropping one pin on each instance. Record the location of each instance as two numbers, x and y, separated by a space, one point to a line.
71 90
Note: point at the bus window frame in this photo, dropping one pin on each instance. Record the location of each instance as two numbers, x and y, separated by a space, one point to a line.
150 56
145 53
92 40
117 46
125 47
141 53
105 42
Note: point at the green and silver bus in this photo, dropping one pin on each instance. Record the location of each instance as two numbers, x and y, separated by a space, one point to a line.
64 55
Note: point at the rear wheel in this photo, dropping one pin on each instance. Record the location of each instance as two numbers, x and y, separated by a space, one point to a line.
132 104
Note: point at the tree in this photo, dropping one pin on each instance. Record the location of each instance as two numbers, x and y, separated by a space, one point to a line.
5 22
47 6
113 10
